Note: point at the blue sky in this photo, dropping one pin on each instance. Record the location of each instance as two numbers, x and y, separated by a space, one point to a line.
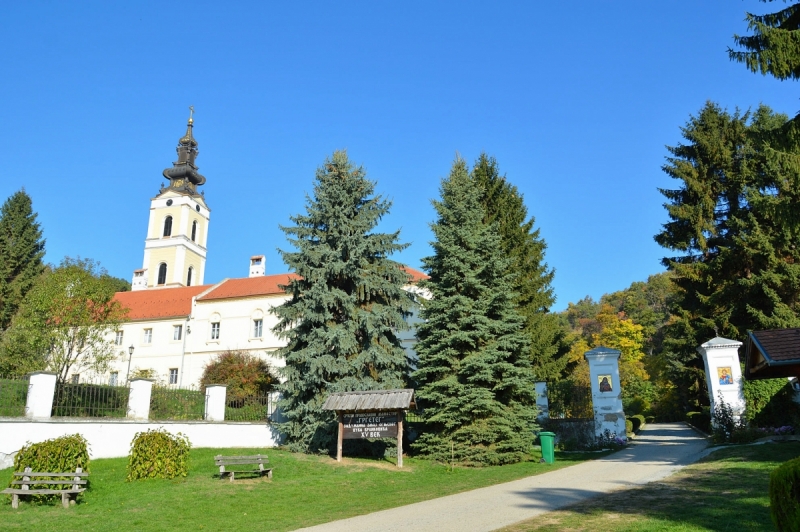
576 100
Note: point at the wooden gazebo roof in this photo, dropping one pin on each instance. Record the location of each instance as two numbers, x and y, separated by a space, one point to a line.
370 400
772 354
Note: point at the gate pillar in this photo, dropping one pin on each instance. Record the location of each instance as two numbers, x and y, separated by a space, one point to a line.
606 391
723 373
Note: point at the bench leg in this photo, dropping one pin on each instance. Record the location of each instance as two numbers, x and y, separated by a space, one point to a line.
15 501
269 473
232 473
65 500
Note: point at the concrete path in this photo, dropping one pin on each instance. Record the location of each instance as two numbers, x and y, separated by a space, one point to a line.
658 451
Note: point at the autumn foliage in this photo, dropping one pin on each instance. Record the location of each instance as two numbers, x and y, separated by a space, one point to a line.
245 374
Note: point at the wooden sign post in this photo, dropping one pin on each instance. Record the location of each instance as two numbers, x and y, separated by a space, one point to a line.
370 415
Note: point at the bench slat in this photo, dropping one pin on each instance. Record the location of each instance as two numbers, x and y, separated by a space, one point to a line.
69 474
244 457
41 491
225 462
30 482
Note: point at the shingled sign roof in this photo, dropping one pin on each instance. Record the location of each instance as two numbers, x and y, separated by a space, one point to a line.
371 400
772 354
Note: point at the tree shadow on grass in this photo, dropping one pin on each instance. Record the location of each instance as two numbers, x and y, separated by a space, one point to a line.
727 491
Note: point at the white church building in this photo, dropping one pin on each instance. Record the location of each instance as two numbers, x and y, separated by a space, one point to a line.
176 324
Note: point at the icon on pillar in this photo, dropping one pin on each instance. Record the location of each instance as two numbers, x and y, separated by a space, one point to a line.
724 375
605 383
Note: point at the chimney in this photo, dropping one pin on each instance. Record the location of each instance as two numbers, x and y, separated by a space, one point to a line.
139 281
257 266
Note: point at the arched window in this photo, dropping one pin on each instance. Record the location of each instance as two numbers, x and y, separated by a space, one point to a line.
168 226
162 273
189 277
194 230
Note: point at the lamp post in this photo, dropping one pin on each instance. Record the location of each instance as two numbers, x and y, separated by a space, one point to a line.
130 356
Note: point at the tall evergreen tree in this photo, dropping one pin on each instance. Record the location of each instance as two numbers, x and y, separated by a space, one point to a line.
734 222
532 280
346 306
774 46
21 254
474 378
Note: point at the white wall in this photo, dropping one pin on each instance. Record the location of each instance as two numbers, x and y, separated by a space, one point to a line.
111 439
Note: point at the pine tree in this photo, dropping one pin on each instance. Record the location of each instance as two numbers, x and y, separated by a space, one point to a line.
474 377
774 47
346 307
532 281
734 221
21 254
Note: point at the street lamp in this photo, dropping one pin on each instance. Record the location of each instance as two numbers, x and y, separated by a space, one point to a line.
130 356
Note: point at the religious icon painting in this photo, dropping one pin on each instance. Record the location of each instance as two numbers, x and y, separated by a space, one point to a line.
605 383
724 375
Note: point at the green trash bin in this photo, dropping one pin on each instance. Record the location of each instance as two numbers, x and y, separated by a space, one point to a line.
548 440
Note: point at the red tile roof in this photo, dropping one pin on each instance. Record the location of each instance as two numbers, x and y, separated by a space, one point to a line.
416 275
159 302
264 285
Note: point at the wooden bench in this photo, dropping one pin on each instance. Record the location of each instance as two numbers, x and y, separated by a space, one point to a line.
73 478
256 459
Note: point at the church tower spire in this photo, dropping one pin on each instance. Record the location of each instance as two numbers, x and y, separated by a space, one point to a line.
183 176
175 247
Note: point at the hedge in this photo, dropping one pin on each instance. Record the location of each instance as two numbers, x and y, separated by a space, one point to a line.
700 420
784 488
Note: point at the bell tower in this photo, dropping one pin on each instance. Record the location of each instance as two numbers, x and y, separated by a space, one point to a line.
177 232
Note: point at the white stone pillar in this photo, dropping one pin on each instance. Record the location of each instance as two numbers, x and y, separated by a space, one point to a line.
216 397
41 390
541 400
606 391
723 373
139 399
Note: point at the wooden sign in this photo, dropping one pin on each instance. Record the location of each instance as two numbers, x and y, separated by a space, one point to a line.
369 425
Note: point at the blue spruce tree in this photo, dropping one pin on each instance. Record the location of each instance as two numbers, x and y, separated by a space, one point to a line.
474 376
346 306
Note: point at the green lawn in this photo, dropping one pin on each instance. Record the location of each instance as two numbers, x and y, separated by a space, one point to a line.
305 490
726 492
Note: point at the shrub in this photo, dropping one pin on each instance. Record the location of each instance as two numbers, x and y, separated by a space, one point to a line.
636 422
699 420
784 503
158 454
725 423
245 375
628 426
58 455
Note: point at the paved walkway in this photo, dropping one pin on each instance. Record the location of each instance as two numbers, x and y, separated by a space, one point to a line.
658 451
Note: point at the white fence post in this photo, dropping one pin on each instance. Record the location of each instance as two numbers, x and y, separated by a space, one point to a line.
41 390
541 400
139 398
606 391
723 374
216 397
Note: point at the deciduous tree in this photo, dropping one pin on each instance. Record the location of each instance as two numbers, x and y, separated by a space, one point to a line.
345 308
65 324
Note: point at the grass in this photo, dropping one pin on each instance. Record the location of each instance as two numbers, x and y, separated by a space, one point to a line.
305 490
727 491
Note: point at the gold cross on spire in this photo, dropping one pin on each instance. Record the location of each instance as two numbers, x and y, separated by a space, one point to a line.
191 112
